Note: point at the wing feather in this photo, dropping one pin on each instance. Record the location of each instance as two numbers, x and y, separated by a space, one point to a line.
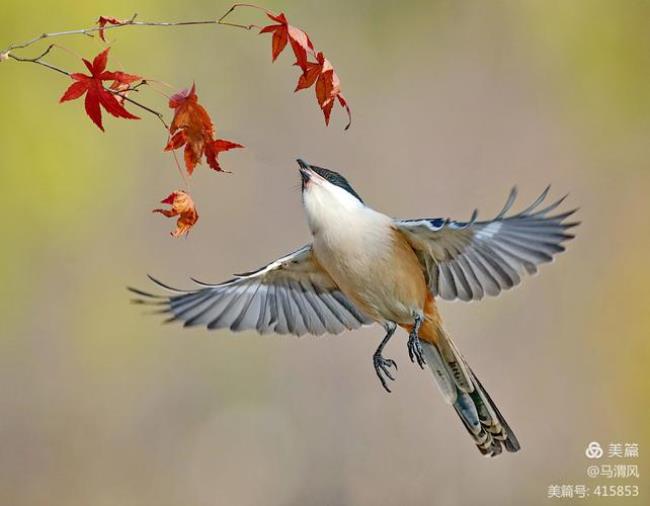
468 260
290 295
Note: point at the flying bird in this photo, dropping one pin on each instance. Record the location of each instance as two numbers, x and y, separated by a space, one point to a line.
364 267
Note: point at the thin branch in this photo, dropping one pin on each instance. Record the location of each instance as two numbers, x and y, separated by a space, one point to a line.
141 106
89 31
132 22
221 21
38 61
36 58
144 82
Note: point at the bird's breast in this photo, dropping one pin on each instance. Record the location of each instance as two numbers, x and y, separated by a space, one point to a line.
373 265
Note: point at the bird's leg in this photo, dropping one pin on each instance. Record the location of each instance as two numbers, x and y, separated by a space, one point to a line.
414 347
383 365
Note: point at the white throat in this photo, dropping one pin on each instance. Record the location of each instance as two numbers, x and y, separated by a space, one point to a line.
329 207
338 219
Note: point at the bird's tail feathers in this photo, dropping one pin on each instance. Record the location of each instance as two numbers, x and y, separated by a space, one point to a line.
462 389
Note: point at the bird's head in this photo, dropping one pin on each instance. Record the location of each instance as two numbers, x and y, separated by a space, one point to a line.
326 194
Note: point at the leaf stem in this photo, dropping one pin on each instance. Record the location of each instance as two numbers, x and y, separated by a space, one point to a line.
180 170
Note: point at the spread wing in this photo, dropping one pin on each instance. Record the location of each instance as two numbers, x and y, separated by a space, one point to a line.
467 260
292 295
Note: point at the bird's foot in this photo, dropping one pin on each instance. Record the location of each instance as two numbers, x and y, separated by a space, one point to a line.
382 368
415 349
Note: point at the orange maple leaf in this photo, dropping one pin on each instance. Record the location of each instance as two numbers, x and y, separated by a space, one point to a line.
106 20
283 32
183 207
193 128
328 86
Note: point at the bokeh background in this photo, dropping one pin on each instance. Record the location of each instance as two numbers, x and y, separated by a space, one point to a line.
453 102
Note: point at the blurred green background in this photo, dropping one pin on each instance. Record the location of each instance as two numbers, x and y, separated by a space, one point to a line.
453 102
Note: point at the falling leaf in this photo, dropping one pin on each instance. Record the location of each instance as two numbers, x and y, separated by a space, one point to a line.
96 94
193 128
182 206
283 32
105 20
328 86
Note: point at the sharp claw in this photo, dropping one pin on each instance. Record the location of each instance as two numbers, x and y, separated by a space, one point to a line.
383 381
420 357
382 369
415 351
387 371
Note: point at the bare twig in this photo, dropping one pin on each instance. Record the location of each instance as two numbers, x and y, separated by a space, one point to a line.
132 22
141 106
38 60
89 31
35 58
135 87
221 21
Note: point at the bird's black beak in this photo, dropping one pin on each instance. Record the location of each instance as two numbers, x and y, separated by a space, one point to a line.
305 172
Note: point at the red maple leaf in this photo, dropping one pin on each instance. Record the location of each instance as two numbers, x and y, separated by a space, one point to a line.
105 20
183 207
193 128
328 86
92 86
283 32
